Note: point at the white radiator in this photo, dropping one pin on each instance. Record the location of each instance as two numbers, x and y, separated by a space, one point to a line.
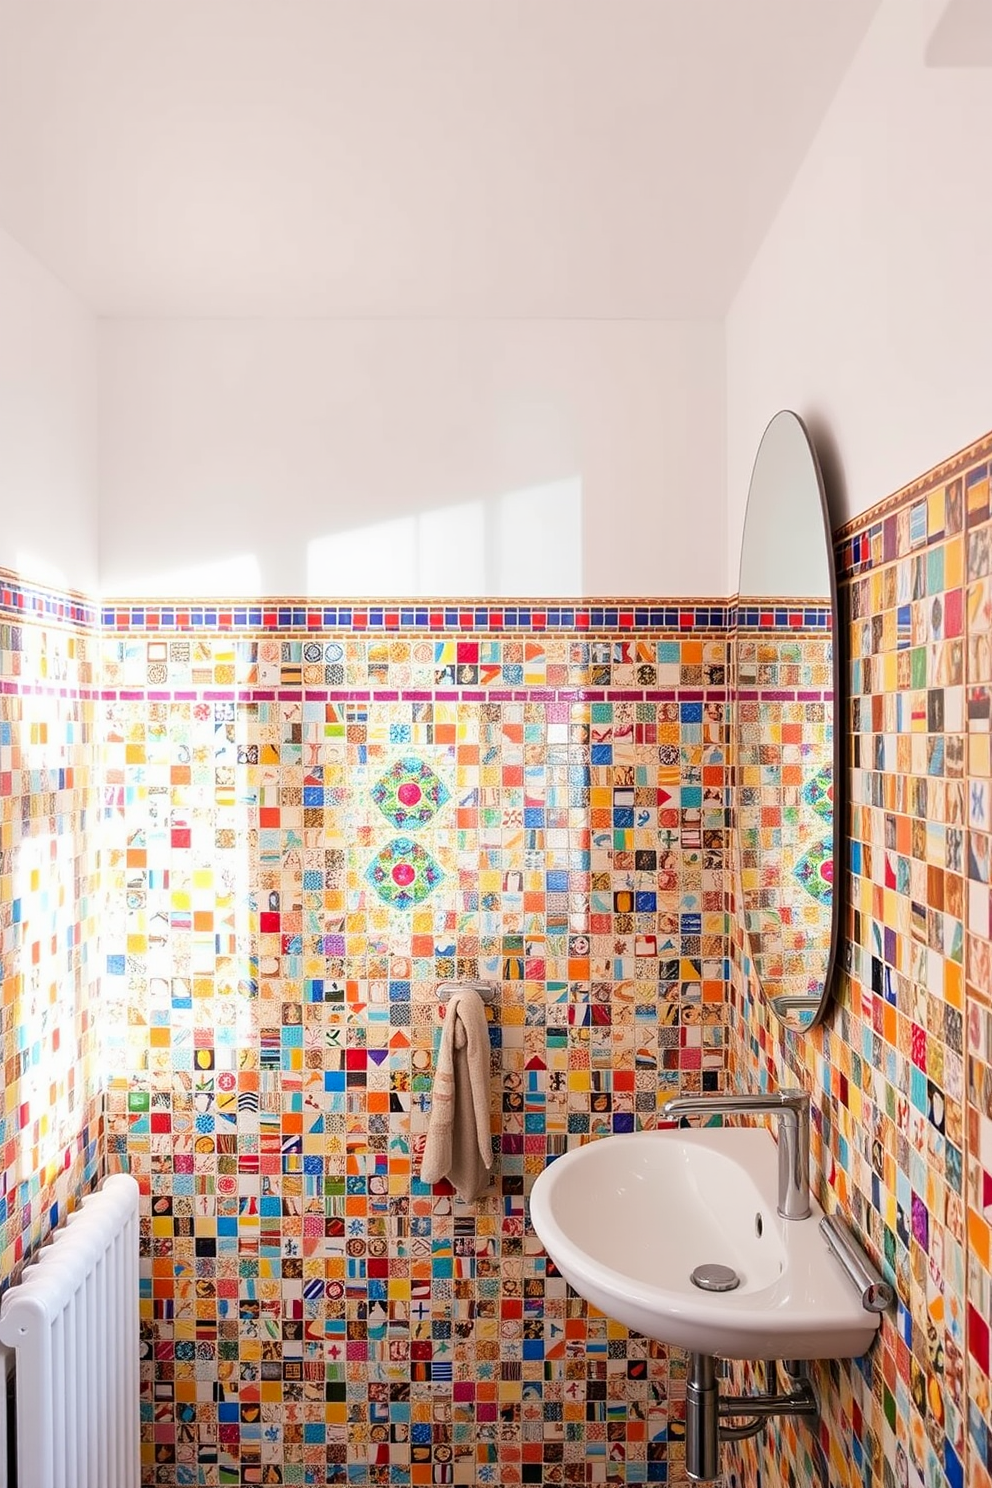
72 1323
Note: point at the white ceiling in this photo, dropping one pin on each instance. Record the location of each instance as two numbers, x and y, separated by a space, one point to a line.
409 157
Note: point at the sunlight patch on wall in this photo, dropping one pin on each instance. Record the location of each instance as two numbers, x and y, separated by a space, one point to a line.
521 543
389 557
536 537
46 1006
34 569
240 576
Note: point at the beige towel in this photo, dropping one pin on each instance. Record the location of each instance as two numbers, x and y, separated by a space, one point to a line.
459 1142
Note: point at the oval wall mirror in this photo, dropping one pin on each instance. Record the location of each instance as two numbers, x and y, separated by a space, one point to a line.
784 734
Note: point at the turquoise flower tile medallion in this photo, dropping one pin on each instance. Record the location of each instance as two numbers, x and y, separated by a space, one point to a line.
409 794
404 873
815 871
818 792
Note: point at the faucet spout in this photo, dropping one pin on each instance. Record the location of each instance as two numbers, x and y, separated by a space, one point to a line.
792 1109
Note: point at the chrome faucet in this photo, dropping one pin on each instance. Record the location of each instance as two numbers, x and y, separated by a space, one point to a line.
792 1109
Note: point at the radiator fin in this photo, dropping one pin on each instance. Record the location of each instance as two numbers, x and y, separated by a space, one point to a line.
72 1323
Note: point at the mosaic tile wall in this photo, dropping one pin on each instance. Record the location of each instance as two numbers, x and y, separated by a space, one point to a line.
901 1072
308 827
783 684
313 814
51 1120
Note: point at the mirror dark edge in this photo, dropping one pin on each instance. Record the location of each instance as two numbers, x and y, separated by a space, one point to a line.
839 753
838 761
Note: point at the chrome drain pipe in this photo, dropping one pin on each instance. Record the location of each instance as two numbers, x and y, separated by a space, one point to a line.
705 1412
702 1420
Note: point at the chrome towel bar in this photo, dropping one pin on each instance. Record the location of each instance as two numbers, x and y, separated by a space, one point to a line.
488 991
876 1293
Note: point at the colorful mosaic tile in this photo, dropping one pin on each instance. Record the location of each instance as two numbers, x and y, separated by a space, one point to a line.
501 668
312 1310
51 1124
784 772
899 1071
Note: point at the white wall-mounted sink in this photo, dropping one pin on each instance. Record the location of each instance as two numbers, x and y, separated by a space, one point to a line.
626 1219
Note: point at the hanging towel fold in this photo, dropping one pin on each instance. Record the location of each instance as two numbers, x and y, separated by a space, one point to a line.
459 1141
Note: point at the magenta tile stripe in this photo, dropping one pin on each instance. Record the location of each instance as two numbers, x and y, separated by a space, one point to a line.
563 695
779 695
39 689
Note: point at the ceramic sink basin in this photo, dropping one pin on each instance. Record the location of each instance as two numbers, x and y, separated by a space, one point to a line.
626 1219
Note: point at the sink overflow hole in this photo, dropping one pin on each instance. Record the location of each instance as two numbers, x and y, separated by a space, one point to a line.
714 1278
758 1224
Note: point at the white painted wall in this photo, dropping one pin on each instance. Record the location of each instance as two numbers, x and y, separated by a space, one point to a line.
48 419
868 309
430 457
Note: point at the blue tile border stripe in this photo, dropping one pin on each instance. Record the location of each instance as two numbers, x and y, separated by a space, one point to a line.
486 619
25 601
784 617
21 601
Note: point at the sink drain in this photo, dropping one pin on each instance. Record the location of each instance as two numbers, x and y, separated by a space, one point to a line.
714 1278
